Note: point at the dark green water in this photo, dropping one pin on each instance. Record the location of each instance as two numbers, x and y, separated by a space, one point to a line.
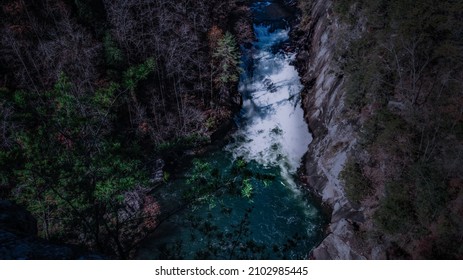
245 200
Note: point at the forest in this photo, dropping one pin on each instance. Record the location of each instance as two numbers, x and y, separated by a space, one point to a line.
92 93
100 99
404 83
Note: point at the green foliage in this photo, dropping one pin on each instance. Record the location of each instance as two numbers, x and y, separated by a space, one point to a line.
406 39
135 74
228 55
356 184
116 174
344 9
247 189
204 180
391 127
431 194
210 123
414 202
240 163
64 100
407 46
369 80
396 214
113 55
70 169
105 97
166 176
444 246
383 128
181 143
20 98
226 61
202 173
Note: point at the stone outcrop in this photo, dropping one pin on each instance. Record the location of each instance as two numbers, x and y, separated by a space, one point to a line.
334 136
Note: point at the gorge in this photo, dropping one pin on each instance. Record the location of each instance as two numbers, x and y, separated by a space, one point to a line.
271 217
231 129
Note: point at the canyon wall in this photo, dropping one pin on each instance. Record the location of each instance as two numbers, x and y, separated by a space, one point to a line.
392 135
318 36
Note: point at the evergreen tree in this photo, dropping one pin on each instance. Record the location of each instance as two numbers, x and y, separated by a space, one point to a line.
226 67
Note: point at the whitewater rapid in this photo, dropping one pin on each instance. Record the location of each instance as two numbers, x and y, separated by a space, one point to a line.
271 126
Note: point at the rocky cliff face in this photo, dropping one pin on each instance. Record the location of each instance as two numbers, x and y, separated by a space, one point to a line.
381 125
318 38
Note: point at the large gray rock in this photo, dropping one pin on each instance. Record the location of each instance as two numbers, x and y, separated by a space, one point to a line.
334 136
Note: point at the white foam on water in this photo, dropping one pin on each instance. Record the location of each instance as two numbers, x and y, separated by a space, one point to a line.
272 129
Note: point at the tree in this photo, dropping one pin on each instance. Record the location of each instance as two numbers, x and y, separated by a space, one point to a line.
225 65
81 179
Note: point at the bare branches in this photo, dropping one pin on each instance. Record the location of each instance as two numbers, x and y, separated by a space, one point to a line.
37 52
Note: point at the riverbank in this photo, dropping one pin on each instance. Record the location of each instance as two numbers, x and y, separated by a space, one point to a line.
91 105
247 191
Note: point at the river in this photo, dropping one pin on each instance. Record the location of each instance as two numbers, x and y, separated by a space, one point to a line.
258 210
